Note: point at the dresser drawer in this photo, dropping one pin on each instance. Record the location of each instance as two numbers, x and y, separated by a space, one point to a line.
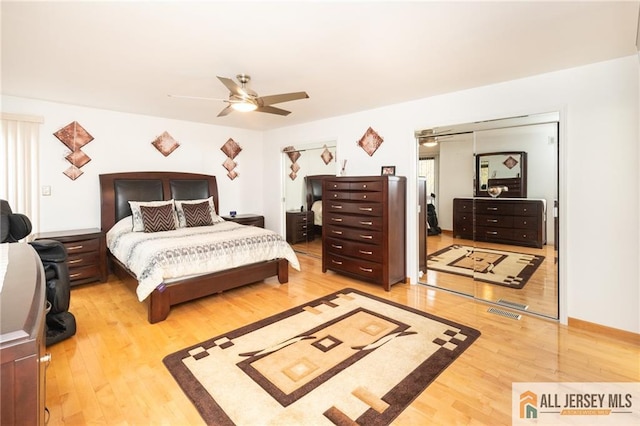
82 246
362 235
370 252
376 186
83 259
525 236
364 222
369 209
525 222
362 268
526 209
84 272
494 208
463 206
494 221
484 233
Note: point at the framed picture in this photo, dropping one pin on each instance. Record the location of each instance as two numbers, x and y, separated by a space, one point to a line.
388 171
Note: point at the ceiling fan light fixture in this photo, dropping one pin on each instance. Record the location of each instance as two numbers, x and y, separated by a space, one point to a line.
244 106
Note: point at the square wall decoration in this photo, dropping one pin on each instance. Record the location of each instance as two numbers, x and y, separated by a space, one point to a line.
165 143
74 136
370 141
231 149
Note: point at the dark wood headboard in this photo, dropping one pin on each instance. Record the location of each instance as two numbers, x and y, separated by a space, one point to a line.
313 183
117 189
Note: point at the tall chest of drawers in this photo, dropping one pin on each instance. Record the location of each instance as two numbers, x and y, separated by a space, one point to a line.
508 221
363 228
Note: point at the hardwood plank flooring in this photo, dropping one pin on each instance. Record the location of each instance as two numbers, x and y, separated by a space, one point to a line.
111 371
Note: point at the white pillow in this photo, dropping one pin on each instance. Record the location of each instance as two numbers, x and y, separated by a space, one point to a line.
182 222
138 225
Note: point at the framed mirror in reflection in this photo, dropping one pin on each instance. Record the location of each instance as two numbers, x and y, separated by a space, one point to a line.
501 174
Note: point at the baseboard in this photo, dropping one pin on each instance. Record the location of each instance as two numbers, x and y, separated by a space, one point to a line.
616 333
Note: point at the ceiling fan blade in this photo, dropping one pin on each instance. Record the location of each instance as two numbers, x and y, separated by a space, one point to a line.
272 110
233 87
284 97
228 110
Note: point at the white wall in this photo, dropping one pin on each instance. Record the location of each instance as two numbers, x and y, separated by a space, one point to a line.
599 243
122 142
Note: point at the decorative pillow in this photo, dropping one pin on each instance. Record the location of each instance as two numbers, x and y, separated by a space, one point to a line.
158 218
138 226
197 214
180 212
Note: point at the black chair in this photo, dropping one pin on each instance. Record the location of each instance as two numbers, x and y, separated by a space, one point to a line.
61 324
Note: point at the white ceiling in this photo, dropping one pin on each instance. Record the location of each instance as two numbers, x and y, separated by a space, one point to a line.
348 56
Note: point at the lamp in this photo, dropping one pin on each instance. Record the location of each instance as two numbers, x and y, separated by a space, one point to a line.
429 141
244 106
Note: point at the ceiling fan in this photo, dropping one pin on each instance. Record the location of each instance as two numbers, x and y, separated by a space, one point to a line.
242 98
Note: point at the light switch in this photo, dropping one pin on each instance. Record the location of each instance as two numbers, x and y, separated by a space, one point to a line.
46 190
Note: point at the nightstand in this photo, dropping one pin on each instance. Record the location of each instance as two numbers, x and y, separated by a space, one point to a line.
247 219
299 226
87 253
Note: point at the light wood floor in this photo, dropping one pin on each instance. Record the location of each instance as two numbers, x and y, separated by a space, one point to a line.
111 372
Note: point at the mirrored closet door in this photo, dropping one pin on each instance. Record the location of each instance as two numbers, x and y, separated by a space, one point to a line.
304 167
494 198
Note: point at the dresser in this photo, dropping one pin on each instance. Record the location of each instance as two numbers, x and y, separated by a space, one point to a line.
364 228
299 226
519 222
87 253
22 336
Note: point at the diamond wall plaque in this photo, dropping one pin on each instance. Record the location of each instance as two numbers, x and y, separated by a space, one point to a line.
231 150
74 136
165 143
370 141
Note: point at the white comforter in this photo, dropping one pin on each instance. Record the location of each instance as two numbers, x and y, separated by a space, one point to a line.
160 256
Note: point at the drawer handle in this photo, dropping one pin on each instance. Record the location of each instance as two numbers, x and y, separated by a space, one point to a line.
365 269
336 232
75 261
75 247
367 237
335 185
304 226
492 233
492 220
492 208
364 197
336 219
336 207
335 195
525 222
366 223
336 246
74 275
365 209
336 262
364 186
304 219
365 252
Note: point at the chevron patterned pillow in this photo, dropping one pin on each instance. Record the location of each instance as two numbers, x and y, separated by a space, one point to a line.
197 214
158 218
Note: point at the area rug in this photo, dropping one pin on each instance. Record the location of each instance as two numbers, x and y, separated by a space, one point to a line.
346 358
506 268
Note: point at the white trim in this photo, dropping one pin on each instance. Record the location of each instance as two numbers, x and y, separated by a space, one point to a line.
22 117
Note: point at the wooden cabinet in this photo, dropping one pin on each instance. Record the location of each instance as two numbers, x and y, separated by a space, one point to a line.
299 226
22 337
506 221
87 253
363 228
247 219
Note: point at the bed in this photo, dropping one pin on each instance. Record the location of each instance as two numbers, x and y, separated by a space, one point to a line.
117 189
313 184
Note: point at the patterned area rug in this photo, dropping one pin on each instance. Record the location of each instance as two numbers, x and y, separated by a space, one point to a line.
344 358
500 267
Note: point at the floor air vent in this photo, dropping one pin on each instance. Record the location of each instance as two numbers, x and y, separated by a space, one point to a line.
515 305
504 313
